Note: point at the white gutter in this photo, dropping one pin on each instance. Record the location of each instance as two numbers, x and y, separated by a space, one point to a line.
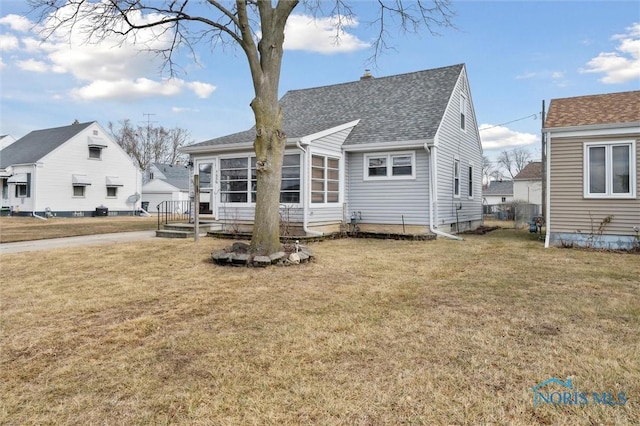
305 186
547 237
433 191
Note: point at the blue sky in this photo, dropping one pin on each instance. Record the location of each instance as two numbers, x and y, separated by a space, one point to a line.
517 53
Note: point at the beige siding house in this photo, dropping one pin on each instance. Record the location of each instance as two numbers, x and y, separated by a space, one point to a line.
592 171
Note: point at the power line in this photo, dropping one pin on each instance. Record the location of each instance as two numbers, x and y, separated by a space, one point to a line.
535 116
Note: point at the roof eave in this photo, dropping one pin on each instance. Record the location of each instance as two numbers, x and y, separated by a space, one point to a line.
388 145
591 127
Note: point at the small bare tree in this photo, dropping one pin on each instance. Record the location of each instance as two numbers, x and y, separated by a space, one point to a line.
513 161
150 144
257 27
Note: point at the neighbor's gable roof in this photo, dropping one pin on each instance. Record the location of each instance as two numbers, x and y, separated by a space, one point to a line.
173 171
404 107
611 108
532 171
499 187
35 145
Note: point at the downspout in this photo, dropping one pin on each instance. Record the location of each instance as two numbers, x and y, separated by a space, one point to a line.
303 195
547 217
33 193
433 191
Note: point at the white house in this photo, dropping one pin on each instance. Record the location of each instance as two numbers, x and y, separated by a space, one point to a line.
75 170
165 182
393 154
527 185
497 192
6 140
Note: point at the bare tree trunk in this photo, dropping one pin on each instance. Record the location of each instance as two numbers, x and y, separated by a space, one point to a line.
269 147
265 62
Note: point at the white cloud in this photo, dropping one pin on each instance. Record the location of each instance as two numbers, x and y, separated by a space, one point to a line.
8 42
106 66
620 66
202 90
183 109
33 66
320 35
499 137
127 89
139 88
2 64
526 76
17 23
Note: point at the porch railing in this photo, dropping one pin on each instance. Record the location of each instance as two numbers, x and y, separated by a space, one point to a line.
173 211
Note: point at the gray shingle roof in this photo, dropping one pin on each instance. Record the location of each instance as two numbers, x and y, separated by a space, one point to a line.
396 108
499 187
173 171
35 145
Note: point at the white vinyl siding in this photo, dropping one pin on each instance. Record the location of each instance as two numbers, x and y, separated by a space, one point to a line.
53 185
388 201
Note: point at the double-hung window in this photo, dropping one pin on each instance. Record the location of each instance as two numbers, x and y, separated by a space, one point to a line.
609 169
390 166
325 179
470 191
456 177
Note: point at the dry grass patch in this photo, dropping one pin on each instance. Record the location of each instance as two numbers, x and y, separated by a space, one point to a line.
375 332
13 229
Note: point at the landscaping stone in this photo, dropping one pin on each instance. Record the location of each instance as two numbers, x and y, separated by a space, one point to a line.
304 257
240 259
294 258
276 257
261 261
220 256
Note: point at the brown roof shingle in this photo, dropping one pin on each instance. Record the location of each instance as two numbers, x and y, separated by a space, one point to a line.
610 108
531 171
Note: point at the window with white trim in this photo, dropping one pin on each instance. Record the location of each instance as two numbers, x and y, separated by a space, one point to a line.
399 165
456 177
112 192
470 193
609 169
238 179
325 179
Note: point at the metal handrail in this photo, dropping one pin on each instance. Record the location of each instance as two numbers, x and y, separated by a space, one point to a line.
173 211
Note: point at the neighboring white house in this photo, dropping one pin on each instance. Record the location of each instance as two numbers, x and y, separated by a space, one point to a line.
527 185
497 192
394 154
75 170
165 182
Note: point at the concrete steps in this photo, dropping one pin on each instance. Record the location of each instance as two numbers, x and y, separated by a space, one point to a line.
186 230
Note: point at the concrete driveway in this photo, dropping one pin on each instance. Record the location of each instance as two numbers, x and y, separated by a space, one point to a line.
85 240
